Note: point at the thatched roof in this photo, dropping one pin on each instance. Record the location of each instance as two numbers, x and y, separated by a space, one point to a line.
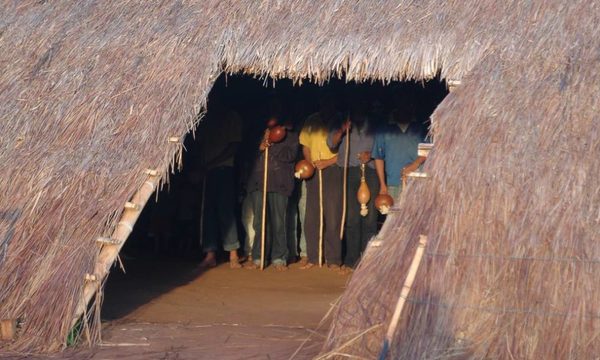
90 93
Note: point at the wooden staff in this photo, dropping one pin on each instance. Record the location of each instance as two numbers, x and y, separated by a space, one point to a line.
264 211
345 187
320 216
410 278
202 212
273 135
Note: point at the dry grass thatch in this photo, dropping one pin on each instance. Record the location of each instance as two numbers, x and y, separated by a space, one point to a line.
511 211
90 93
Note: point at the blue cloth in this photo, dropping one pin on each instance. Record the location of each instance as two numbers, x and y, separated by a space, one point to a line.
361 140
397 148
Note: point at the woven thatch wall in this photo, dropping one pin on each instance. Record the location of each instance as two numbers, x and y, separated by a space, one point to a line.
511 211
90 92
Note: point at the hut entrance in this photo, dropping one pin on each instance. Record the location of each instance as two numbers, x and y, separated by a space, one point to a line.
162 283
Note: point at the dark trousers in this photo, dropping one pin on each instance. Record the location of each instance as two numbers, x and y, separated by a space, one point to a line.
219 210
359 229
292 223
332 199
276 247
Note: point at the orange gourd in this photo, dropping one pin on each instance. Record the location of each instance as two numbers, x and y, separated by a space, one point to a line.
304 170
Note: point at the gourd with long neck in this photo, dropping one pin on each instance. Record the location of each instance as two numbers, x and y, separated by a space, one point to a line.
364 194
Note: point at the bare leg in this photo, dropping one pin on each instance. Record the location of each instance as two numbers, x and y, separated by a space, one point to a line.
234 260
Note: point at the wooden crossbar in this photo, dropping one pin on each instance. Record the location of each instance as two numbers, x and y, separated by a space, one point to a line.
416 174
132 206
108 241
8 329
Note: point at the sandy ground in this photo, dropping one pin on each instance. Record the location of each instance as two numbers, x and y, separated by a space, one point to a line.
163 310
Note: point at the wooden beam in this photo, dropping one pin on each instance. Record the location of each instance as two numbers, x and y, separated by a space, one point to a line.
109 254
8 329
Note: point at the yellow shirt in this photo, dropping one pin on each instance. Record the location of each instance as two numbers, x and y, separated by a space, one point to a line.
314 136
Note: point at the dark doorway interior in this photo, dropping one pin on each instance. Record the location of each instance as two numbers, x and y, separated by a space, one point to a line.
168 229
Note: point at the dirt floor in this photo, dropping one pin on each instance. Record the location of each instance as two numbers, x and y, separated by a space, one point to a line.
163 310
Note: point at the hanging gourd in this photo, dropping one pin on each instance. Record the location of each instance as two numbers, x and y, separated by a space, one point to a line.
276 134
304 170
383 203
364 194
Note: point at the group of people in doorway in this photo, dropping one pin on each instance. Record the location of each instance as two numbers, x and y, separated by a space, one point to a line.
306 220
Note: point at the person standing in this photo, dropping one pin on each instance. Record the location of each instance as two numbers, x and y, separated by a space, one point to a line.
395 149
358 229
280 185
313 139
297 205
220 135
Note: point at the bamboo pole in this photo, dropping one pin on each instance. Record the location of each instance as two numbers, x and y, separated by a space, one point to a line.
109 252
264 210
345 187
410 278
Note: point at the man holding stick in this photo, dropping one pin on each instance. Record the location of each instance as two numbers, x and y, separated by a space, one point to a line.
280 185
322 222
359 142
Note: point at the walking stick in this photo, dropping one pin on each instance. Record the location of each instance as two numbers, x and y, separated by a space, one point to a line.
410 278
202 212
345 187
274 135
264 210
320 217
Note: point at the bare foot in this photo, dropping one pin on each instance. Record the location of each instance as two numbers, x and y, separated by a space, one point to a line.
334 267
250 265
234 260
307 266
303 261
346 270
209 261
280 267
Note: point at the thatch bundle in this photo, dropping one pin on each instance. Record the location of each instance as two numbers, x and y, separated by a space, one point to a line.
90 94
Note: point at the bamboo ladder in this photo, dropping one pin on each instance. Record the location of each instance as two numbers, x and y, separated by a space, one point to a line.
110 247
423 150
